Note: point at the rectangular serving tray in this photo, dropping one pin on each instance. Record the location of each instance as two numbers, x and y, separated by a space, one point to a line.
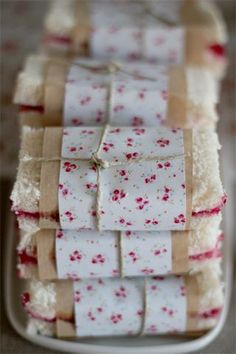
118 345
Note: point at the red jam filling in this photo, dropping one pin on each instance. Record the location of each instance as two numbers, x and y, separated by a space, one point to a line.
218 50
214 253
55 216
36 215
25 300
214 211
27 259
27 214
25 109
213 313
64 40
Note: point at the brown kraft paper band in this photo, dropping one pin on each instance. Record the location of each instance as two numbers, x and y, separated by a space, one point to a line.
81 33
176 115
188 145
192 291
50 172
30 270
201 31
196 43
180 261
54 93
65 326
46 253
48 204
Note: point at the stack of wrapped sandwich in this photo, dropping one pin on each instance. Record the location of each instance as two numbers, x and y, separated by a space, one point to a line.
118 194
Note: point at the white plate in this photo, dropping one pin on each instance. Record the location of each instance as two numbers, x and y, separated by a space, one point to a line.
147 345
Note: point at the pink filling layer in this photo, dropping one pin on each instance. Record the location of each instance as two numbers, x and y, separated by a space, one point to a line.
34 215
212 313
25 300
213 211
214 253
26 258
202 213
218 50
62 40
31 259
27 108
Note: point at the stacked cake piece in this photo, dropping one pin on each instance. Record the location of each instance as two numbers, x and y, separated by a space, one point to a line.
118 193
174 32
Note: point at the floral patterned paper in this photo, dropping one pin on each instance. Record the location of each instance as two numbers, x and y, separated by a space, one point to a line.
77 194
134 95
166 305
146 253
125 145
106 307
138 31
157 204
165 44
142 186
87 254
80 143
92 254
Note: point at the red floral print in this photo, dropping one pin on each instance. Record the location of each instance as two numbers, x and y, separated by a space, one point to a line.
183 290
77 296
153 222
106 146
76 122
68 166
124 222
139 131
121 292
140 312
91 316
59 234
133 256
118 108
131 156
129 142
85 100
92 187
117 195
142 202
147 271
88 132
123 173
115 131
150 179
164 95
72 148
76 256
99 258
169 312
180 219
163 142
69 215
120 88
116 318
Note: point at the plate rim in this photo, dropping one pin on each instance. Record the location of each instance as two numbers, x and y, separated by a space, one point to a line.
75 347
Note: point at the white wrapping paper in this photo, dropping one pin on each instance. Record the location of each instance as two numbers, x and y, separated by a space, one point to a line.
128 192
130 307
